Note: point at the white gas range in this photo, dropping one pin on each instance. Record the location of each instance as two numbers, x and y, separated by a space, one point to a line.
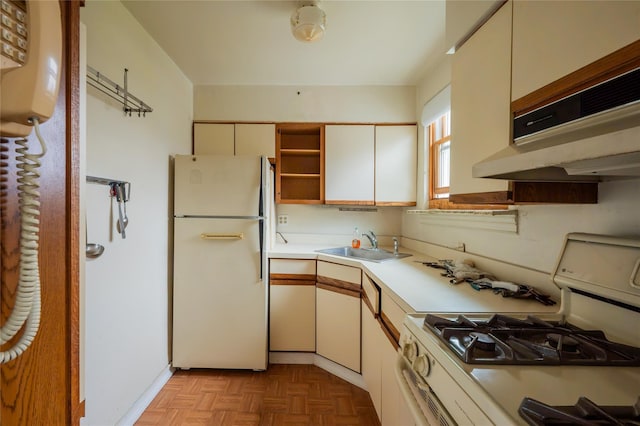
536 368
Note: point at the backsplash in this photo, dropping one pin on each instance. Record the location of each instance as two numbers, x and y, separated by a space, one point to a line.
541 228
330 220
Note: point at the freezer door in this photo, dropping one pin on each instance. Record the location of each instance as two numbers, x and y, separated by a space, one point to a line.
219 299
218 185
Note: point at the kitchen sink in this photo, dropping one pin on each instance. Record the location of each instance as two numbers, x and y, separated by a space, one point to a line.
373 255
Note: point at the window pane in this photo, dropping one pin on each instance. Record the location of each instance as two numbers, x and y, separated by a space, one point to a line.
438 129
447 131
443 163
440 153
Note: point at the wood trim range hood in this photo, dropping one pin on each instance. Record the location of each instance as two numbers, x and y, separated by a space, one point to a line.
585 147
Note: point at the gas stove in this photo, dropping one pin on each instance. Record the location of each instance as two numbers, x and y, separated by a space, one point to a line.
480 368
502 339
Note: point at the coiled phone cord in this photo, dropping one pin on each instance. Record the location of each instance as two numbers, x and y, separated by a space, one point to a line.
26 311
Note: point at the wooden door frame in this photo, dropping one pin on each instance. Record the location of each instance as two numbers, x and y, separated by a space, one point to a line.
43 385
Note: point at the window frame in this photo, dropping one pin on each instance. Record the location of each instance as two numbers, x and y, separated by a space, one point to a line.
434 163
443 203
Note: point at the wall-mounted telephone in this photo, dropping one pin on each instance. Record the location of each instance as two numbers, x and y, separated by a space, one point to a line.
30 59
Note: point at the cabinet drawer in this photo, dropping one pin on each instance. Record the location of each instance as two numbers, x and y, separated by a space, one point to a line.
292 266
372 293
339 272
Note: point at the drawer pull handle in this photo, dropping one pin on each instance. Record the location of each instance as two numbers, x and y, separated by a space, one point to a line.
206 236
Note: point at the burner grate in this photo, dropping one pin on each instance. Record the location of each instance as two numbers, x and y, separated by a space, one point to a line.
585 412
506 340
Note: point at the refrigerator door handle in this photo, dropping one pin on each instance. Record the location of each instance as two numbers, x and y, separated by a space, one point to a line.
207 236
262 188
261 238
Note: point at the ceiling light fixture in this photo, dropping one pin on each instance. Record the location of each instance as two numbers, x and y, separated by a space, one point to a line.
308 22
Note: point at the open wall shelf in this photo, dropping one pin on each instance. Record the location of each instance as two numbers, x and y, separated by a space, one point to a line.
300 163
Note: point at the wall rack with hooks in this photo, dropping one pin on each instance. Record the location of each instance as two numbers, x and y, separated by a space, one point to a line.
131 104
113 184
121 190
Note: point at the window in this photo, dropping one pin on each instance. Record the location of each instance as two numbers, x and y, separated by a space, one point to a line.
436 120
439 136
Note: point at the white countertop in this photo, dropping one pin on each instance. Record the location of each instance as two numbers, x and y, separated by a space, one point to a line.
417 287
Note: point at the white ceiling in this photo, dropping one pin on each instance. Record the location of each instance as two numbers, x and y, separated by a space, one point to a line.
242 42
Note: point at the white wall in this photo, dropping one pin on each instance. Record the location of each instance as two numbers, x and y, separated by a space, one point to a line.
365 104
368 104
128 287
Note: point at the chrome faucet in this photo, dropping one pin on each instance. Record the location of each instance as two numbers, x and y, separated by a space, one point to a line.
395 245
372 239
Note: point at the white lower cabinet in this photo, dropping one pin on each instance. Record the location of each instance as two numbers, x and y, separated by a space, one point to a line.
338 290
379 355
372 341
345 328
292 318
292 305
338 327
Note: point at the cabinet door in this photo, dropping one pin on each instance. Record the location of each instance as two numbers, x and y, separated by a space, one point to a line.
349 161
480 103
554 38
255 139
292 316
372 341
338 327
213 139
396 165
292 307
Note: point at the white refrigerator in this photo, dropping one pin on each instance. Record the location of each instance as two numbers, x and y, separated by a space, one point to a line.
220 262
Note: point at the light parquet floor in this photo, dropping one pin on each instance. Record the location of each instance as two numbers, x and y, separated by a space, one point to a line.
282 395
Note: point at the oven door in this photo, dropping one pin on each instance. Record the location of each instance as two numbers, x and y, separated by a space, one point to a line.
423 403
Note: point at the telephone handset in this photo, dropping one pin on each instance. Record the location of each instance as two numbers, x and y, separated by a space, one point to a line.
30 67
31 63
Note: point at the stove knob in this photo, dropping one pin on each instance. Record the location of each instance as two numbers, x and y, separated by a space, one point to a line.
410 350
422 365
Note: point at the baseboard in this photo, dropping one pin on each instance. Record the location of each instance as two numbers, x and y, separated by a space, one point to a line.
291 357
310 358
145 399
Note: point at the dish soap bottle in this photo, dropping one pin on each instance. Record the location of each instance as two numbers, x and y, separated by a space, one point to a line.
355 243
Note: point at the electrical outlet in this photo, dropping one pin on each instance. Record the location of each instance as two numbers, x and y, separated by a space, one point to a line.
283 219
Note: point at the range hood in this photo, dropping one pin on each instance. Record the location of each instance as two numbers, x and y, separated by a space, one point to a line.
589 136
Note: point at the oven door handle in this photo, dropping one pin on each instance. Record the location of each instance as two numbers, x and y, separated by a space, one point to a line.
407 395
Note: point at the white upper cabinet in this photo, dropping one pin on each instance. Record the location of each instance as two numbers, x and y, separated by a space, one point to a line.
234 139
349 164
554 38
255 139
480 103
213 139
395 165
